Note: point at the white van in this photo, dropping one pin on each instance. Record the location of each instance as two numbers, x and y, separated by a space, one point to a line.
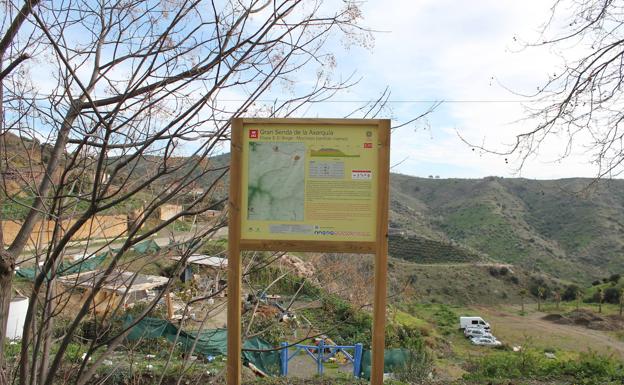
478 322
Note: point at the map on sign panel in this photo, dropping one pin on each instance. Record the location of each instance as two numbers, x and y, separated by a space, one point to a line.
276 181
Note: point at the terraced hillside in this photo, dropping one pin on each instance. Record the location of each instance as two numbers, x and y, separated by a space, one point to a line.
423 250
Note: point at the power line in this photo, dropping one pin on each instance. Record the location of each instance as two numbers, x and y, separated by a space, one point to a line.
391 101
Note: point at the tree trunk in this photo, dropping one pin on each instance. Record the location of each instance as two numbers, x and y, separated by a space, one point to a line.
47 327
7 266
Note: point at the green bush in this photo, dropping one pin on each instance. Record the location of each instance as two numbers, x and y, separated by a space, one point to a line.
74 352
570 292
12 349
612 295
417 367
588 368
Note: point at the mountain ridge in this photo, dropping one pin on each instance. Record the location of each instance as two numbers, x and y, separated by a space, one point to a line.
572 228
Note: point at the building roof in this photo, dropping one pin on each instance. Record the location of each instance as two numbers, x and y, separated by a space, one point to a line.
206 260
118 281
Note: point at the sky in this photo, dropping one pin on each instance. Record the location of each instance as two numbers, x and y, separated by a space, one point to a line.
469 55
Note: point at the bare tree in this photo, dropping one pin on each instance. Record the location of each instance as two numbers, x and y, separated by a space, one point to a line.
580 105
135 100
600 297
557 298
540 295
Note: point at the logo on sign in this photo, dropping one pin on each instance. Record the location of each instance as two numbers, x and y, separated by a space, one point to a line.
361 174
253 134
368 145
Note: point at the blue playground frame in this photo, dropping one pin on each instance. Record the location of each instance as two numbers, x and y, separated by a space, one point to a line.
320 356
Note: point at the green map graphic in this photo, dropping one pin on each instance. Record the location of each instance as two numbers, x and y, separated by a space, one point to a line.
276 181
331 153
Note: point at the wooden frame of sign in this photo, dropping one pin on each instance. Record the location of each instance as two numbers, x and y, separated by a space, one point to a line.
331 165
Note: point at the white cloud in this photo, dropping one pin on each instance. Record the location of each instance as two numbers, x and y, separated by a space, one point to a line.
462 51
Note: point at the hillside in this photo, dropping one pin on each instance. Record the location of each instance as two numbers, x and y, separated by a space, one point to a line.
543 226
540 225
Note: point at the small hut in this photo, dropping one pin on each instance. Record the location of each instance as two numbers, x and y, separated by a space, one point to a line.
120 288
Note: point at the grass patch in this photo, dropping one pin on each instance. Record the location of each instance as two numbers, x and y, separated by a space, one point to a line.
587 368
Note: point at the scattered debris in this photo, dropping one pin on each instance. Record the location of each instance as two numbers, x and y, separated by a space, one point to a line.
255 370
217 267
119 287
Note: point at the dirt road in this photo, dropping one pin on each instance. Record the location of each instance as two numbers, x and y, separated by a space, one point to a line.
515 329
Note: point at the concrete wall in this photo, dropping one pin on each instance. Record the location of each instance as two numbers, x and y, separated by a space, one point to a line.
101 226
168 211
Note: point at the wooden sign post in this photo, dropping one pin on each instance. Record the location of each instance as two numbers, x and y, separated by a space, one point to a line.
311 185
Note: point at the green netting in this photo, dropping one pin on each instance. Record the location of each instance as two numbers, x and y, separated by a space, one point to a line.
88 264
192 244
211 342
66 268
268 362
149 328
148 246
394 359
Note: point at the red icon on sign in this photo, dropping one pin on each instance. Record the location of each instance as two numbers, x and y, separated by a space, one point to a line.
253 134
368 145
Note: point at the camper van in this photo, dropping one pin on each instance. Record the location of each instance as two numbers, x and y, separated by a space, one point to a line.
473 322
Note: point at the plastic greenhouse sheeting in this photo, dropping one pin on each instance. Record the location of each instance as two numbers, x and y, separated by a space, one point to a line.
394 359
66 268
148 246
210 342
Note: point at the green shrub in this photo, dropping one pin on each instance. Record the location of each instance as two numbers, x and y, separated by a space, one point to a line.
74 352
12 349
417 368
570 292
612 295
588 368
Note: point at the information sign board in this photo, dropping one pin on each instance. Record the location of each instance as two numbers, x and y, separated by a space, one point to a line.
309 182
317 185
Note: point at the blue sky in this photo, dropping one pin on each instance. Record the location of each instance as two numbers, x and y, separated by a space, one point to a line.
468 54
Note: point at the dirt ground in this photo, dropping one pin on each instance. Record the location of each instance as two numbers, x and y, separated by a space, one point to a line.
515 329
303 366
